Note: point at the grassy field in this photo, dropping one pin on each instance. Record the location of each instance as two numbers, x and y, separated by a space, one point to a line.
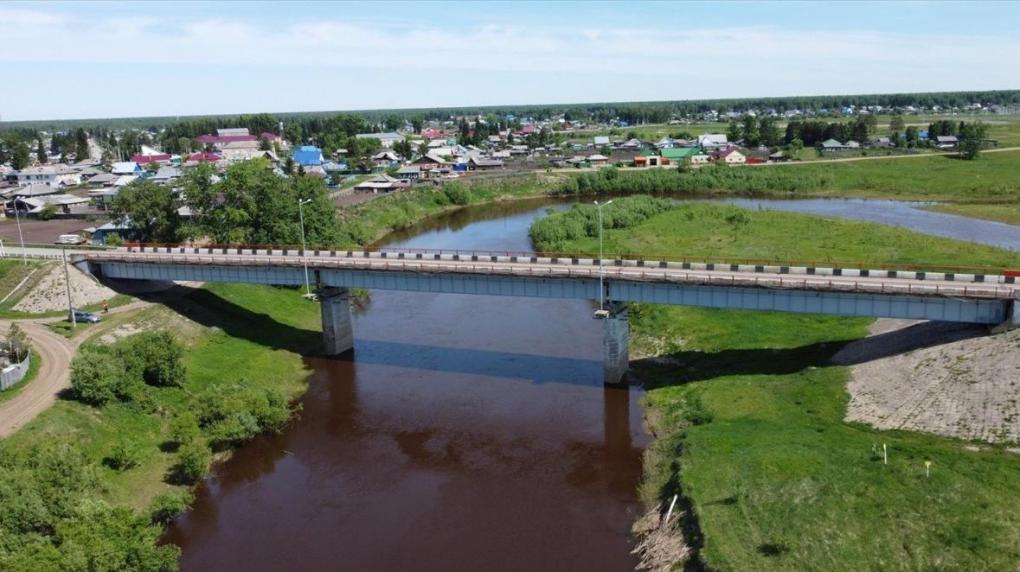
247 334
699 231
748 414
1008 213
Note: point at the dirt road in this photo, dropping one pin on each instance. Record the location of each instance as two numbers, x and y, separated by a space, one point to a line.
55 353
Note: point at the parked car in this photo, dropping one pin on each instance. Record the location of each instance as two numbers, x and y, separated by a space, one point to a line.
86 317
70 239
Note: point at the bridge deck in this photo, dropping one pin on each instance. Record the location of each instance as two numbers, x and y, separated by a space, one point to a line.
911 283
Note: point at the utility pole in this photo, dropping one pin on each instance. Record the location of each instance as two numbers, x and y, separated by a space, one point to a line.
67 284
601 312
21 237
304 246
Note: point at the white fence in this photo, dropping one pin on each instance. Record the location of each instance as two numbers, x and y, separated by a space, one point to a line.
13 374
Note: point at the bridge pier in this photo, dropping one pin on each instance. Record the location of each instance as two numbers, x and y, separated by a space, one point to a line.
337 329
615 344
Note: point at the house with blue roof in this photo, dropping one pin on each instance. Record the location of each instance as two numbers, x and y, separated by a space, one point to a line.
308 156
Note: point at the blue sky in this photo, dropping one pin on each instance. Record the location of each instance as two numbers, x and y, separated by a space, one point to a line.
105 59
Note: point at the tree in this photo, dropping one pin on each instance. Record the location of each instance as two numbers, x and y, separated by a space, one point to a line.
40 152
403 148
125 455
168 506
416 123
896 124
96 378
20 156
733 132
17 343
81 145
150 210
972 137
423 148
155 357
749 130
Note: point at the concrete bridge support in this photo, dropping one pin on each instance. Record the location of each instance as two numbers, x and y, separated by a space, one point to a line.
337 329
615 344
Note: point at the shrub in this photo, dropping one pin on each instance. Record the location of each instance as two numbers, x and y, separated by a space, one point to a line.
192 462
184 428
169 506
97 377
457 194
155 357
125 455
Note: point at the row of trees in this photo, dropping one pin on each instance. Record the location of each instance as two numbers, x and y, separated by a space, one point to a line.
249 204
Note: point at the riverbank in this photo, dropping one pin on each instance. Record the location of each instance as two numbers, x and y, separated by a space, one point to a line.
241 343
748 411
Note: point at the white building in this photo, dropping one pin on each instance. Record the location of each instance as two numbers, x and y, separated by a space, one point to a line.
49 175
387 139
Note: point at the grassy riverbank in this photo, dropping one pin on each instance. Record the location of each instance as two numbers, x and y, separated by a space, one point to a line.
365 223
748 413
1008 213
240 342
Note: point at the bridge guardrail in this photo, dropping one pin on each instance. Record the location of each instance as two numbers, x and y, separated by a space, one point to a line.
975 276
350 260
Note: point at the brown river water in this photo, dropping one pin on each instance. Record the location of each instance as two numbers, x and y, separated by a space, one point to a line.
464 433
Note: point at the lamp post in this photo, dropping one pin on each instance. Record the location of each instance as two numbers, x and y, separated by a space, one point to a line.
67 284
304 248
601 313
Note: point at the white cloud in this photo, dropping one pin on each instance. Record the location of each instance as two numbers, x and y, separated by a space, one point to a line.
38 36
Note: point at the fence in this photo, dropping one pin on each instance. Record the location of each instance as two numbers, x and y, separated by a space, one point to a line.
13 374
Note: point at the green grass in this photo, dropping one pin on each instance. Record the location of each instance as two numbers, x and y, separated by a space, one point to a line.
1008 213
992 176
250 335
748 414
33 371
704 232
12 272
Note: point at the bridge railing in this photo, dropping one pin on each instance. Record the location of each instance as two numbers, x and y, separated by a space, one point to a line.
609 256
351 260
914 272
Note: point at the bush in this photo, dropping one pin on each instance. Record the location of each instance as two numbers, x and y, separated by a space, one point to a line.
457 194
125 455
184 428
155 357
552 232
169 506
192 462
113 239
97 377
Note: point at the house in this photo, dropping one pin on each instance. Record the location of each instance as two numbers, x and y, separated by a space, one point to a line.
409 173
597 160
430 158
203 157
49 175
165 175
431 133
664 143
883 142
239 150
150 155
778 157
679 154
103 180
102 233
232 132
36 205
224 136
126 168
649 159
710 141
851 144
478 164
383 183
946 141
601 140
308 155
35 190
832 145
386 139
385 159
730 157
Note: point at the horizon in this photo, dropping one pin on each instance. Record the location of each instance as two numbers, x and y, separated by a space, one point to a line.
145 60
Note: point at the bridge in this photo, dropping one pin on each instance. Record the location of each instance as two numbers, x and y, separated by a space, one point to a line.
921 295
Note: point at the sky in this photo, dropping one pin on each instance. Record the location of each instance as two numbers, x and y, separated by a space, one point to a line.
64 60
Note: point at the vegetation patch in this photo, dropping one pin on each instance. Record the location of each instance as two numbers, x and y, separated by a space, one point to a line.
90 482
748 413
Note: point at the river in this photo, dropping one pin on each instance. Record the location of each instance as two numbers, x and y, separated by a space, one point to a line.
464 433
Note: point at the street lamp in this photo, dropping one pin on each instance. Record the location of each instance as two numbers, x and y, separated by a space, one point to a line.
304 247
67 284
601 312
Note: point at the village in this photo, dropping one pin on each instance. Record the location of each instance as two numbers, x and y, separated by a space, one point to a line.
64 186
